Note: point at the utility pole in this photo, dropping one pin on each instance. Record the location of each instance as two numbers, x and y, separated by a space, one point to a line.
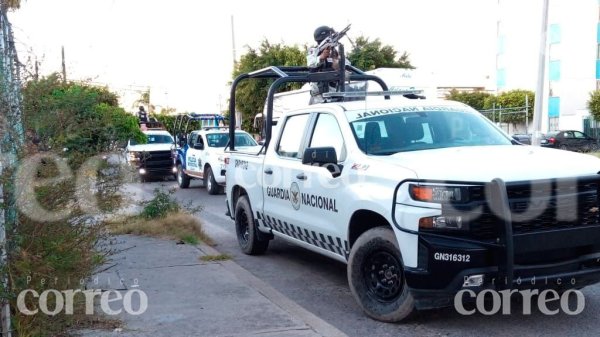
539 92
233 43
11 140
37 70
64 67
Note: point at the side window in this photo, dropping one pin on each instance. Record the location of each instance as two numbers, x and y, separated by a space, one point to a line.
579 135
291 138
327 133
569 135
192 139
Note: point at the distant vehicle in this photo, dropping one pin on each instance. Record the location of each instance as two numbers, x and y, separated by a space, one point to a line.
153 158
201 150
522 138
570 140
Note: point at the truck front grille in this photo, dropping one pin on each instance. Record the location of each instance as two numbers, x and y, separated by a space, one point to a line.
536 206
157 160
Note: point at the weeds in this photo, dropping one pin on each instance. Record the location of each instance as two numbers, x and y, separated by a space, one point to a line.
215 258
178 226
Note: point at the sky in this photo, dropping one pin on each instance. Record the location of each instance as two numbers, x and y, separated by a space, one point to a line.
182 49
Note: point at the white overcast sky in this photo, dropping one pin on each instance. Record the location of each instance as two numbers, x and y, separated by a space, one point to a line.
182 49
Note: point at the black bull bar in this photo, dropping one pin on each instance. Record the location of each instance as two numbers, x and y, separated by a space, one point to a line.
506 242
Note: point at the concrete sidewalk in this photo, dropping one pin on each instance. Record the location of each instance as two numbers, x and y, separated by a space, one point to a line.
189 297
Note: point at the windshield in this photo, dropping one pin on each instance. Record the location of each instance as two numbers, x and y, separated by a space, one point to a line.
388 131
155 139
221 139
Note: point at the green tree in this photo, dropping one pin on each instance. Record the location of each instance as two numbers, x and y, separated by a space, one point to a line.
513 105
369 55
251 94
474 99
593 104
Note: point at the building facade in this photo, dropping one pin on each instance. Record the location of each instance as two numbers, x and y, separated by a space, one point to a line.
572 56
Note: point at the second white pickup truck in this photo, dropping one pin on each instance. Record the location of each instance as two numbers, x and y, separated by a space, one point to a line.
421 198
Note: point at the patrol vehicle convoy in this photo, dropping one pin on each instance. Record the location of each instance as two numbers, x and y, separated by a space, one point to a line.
421 198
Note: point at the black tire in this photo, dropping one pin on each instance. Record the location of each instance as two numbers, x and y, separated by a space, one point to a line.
183 180
210 183
376 276
246 230
563 147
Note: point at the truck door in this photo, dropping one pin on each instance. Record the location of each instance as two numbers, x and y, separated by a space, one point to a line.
321 188
280 188
192 155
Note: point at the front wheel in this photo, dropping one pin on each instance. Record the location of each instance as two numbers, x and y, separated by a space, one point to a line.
209 181
246 230
182 179
376 276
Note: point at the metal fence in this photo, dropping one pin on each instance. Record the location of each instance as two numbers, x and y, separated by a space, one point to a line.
505 117
591 127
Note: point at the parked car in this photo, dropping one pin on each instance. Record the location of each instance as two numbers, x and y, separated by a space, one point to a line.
570 140
522 138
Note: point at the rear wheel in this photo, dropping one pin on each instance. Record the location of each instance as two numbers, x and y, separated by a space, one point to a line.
246 231
183 180
376 276
209 181
563 147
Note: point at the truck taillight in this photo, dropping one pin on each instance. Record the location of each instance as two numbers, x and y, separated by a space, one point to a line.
226 160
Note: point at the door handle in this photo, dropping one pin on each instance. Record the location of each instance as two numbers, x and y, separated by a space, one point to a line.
301 176
268 171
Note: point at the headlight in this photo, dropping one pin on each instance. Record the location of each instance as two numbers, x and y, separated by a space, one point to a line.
454 222
439 194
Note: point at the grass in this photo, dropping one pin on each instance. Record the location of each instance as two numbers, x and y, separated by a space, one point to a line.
175 225
215 258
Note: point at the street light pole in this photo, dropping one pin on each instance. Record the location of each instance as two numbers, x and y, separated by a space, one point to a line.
539 92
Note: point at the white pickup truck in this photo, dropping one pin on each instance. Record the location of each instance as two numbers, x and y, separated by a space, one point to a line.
422 199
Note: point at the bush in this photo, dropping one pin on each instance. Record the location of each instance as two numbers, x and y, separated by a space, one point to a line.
593 104
84 119
159 206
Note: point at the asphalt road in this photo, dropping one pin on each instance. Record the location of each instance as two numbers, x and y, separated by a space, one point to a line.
319 285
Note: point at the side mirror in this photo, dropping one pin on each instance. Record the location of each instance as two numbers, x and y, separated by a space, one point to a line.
199 146
319 156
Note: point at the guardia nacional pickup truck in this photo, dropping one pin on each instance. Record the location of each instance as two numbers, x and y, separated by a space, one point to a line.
420 198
